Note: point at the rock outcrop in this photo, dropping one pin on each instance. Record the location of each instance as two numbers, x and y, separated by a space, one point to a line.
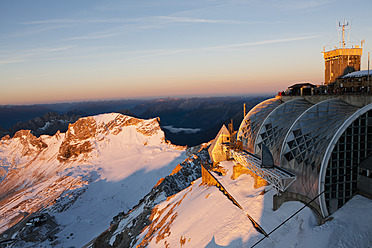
77 139
80 135
29 142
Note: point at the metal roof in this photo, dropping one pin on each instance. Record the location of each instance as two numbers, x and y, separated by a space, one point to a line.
301 136
363 73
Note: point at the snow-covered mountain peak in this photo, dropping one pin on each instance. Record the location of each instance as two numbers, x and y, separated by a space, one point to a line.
102 164
82 136
28 143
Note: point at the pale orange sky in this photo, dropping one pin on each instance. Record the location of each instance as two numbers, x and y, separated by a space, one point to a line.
71 51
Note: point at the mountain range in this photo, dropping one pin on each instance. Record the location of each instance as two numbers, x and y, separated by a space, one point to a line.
185 121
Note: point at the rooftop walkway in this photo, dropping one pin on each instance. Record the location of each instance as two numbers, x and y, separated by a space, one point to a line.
276 176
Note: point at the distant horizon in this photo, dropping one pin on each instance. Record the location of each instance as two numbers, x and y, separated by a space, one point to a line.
144 98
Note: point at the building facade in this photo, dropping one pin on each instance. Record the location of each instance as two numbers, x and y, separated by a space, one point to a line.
357 82
341 61
323 144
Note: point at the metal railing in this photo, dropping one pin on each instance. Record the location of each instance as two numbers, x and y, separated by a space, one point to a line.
276 176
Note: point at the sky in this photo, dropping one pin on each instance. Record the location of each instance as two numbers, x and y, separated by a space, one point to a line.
61 51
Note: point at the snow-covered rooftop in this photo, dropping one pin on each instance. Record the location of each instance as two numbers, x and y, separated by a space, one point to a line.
358 74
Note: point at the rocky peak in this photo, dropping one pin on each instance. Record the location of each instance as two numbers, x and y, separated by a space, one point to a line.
82 129
79 136
76 139
29 142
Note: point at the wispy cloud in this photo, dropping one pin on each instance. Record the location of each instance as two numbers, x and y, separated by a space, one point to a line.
262 42
11 61
94 36
195 20
160 52
35 30
302 4
170 19
41 54
164 52
116 26
78 21
57 49
11 57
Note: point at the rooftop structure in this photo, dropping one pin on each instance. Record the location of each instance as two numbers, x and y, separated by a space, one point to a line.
341 60
215 150
322 144
354 82
274 175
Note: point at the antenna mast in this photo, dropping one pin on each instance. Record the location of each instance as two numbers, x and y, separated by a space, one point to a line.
342 26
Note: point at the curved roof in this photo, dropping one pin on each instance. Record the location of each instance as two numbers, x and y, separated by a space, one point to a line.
252 122
276 125
330 148
302 138
306 142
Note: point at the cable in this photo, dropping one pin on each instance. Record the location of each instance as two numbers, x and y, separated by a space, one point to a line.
290 217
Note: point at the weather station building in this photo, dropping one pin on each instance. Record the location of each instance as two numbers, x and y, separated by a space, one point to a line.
323 142
341 60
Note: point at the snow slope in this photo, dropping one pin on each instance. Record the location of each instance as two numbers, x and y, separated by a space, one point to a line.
202 216
102 165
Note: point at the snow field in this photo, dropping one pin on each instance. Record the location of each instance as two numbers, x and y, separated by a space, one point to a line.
207 218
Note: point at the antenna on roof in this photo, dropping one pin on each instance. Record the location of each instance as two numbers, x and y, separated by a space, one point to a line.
368 67
342 27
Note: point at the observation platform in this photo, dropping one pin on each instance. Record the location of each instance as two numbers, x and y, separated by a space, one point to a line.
280 179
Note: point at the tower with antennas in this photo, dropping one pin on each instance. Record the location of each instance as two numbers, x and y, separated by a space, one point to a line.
341 60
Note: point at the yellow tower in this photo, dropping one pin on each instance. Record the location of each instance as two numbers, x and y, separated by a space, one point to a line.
342 60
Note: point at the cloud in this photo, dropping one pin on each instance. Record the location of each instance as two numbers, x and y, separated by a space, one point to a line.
263 42
299 5
115 26
195 20
77 21
160 52
163 52
120 25
11 57
57 49
94 36
35 30
27 55
180 129
11 61
170 19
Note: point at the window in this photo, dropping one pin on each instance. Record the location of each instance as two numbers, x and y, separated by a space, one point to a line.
342 172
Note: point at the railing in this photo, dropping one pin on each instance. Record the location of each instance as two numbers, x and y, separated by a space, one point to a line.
276 176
